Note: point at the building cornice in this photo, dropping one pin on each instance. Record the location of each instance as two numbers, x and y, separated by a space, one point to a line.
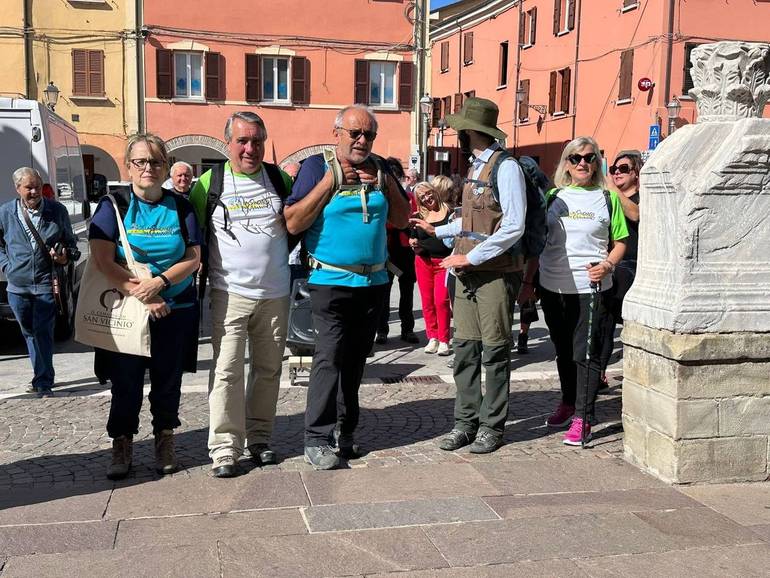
473 16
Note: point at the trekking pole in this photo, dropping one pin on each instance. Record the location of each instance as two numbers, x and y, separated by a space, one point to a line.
591 307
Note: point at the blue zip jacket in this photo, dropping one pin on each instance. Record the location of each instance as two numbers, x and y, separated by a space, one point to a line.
28 270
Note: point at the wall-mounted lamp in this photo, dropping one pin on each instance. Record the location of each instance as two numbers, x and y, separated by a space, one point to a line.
541 109
51 94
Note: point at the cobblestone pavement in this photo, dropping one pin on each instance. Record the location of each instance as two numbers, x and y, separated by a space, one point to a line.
61 441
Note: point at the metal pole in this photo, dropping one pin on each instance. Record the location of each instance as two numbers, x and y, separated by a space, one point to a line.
671 124
424 146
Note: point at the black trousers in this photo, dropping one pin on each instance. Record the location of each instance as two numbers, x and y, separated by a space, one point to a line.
345 321
126 372
403 258
567 318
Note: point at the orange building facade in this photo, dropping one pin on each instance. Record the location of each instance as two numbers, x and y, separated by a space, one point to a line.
294 63
580 68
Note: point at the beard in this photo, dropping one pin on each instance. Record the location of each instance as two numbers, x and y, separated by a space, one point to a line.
465 142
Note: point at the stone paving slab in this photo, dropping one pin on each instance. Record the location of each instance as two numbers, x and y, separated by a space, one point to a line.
179 496
51 538
330 554
747 504
167 562
509 541
589 472
539 569
201 529
743 561
391 484
53 505
574 503
339 517
693 527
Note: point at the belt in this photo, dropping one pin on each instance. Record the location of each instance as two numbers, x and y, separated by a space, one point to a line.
359 269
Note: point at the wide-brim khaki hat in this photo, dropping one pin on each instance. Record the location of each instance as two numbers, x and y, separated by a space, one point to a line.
477 114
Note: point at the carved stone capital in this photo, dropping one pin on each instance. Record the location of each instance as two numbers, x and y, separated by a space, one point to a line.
732 80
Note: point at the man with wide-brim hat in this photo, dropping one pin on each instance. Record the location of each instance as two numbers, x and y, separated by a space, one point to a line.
489 275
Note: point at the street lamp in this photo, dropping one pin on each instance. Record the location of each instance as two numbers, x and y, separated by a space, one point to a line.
426 107
673 108
51 94
442 124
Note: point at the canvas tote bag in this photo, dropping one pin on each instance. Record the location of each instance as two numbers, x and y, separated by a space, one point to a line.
106 317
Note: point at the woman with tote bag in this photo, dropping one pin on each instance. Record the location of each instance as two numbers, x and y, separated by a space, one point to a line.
163 234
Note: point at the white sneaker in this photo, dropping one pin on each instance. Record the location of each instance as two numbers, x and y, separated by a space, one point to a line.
432 346
444 349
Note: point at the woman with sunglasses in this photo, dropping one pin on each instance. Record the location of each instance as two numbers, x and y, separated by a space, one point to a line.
163 233
625 178
578 259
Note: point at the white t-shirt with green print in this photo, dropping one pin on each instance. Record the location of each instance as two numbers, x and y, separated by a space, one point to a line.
578 234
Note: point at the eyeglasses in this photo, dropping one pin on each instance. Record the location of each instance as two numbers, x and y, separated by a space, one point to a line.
575 159
355 134
141 164
622 169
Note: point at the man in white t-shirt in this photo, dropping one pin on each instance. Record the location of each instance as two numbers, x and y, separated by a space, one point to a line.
248 269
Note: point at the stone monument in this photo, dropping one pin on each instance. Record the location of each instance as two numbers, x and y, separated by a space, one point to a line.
696 387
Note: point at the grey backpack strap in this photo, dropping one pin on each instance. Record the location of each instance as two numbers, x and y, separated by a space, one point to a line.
330 156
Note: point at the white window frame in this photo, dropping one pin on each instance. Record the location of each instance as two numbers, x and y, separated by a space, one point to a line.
382 104
530 26
565 17
273 99
188 95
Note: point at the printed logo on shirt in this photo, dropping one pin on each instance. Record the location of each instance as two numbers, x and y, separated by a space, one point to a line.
585 216
152 231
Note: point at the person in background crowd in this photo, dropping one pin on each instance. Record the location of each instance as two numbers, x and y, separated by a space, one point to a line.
488 279
248 264
431 276
343 206
448 193
577 255
402 257
625 178
181 174
163 233
408 179
28 268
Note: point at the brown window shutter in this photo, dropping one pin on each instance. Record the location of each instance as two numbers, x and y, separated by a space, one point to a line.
571 17
627 3
552 92
215 72
458 102
164 70
626 74
253 81
447 106
405 85
95 73
300 80
524 104
533 25
445 56
556 16
79 73
523 28
362 82
565 84
468 48
436 112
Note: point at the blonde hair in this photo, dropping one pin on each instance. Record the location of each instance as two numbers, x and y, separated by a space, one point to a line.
422 209
445 188
562 178
154 143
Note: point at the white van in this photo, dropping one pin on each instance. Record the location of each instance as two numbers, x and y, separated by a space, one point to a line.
31 135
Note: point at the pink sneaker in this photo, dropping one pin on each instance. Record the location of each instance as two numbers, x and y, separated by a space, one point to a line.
561 417
575 431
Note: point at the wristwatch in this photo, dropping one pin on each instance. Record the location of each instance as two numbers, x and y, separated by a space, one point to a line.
166 282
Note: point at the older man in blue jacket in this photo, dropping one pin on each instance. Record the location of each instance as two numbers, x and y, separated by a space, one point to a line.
29 267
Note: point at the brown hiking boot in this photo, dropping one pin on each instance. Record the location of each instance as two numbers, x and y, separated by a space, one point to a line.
165 459
122 452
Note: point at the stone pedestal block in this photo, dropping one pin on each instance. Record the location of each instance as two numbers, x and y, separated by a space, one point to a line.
696 408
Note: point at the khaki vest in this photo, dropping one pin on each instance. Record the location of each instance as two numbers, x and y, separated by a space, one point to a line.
481 213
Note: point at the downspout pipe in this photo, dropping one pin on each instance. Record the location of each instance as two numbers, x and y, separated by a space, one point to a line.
669 50
577 60
29 56
517 81
139 21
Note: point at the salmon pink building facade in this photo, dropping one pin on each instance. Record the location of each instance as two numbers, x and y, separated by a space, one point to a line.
602 69
294 63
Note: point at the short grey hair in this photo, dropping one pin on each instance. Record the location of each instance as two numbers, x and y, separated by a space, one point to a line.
361 107
20 173
178 164
245 116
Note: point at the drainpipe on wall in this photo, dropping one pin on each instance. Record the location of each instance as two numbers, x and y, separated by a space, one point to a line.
139 20
669 51
29 58
575 76
516 85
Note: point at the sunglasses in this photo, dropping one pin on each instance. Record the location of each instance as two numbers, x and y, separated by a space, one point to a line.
622 169
575 159
141 164
355 134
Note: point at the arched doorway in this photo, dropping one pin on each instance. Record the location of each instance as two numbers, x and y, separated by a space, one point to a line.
303 153
200 151
99 162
